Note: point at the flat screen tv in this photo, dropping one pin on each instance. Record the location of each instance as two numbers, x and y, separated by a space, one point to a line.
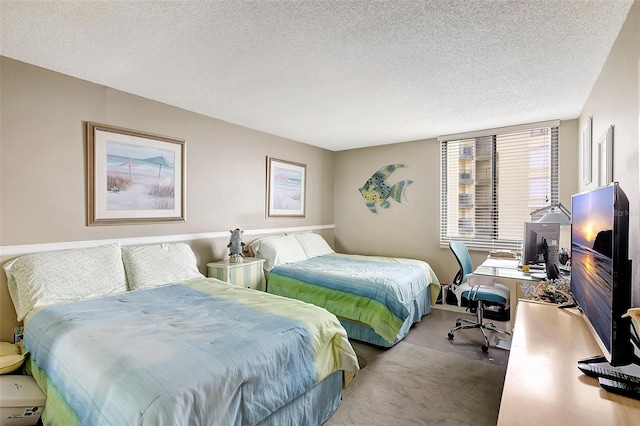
535 235
601 269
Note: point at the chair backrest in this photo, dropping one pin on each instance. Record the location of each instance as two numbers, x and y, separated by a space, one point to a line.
459 250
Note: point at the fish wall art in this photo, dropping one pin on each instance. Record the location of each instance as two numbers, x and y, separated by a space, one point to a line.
376 190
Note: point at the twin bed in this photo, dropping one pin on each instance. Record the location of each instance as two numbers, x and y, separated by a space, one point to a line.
377 299
136 335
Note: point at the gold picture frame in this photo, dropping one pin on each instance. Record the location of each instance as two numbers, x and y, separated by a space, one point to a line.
133 176
286 187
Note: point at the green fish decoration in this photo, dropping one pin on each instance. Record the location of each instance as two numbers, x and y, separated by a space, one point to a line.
377 190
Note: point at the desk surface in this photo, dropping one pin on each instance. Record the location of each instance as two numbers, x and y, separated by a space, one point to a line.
543 384
503 268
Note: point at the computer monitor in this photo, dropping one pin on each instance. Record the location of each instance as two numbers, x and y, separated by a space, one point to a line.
535 235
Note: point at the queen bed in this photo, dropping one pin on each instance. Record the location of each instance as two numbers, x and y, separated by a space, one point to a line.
138 336
377 299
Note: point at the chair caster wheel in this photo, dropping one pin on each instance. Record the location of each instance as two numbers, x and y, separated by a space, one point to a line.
450 336
458 323
485 348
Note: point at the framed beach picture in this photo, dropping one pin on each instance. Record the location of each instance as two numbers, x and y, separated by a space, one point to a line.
133 177
286 182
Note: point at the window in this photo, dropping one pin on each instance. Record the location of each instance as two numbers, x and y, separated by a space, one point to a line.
491 182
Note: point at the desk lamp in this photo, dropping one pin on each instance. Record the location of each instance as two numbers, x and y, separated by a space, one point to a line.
555 212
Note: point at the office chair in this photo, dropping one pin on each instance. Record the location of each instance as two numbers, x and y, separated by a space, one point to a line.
480 293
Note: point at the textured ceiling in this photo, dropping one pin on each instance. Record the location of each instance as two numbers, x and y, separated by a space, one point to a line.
335 74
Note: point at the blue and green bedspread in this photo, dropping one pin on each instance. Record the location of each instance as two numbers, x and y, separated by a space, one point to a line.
199 352
384 293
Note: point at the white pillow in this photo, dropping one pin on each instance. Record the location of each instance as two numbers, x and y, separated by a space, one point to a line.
313 245
280 250
255 244
11 357
48 278
159 264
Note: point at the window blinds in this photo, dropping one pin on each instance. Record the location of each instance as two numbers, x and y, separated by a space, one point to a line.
492 181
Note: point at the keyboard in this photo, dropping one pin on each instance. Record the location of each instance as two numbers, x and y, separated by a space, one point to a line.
607 373
621 388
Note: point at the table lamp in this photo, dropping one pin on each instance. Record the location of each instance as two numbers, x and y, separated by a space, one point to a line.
555 212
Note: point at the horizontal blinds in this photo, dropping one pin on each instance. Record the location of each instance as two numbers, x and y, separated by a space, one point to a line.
491 184
500 131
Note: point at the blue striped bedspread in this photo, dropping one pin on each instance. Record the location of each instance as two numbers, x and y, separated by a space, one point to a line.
207 352
373 290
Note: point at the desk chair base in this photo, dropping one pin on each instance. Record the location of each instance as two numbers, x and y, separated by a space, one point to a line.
465 324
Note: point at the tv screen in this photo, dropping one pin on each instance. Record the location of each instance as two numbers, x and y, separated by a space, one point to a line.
600 269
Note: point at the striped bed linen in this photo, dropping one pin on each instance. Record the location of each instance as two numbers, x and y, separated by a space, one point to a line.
198 352
375 291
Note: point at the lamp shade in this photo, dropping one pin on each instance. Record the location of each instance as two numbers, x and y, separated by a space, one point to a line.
555 217
556 213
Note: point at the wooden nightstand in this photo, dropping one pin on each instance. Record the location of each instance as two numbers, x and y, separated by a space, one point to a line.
247 274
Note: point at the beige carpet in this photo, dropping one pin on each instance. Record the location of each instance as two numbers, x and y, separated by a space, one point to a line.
432 332
426 379
413 385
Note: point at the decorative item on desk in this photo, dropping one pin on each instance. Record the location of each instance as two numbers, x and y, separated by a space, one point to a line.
564 255
235 246
502 254
552 291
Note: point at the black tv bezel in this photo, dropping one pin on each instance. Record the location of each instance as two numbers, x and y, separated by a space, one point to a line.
621 351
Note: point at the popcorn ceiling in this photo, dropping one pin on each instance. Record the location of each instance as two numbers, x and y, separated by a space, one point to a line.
335 74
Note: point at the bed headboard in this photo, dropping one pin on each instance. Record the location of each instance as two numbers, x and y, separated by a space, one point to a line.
207 248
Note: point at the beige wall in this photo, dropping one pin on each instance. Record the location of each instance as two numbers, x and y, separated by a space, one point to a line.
615 100
42 167
42 173
413 229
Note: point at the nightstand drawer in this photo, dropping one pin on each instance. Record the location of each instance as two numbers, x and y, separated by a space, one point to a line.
247 274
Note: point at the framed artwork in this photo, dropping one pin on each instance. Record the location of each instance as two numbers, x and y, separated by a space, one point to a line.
586 151
286 183
133 177
605 162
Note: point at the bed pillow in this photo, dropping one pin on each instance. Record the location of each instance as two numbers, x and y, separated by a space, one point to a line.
159 264
11 357
253 246
280 250
313 244
48 278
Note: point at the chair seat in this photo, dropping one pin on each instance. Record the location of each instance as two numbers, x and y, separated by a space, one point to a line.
477 287
496 293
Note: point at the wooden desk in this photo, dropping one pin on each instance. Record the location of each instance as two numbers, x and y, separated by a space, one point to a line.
543 385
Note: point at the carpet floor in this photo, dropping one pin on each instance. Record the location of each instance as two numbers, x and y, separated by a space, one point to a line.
426 379
432 332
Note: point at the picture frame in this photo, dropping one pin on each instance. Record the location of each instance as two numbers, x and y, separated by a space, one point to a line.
133 176
286 187
605 157
587 147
